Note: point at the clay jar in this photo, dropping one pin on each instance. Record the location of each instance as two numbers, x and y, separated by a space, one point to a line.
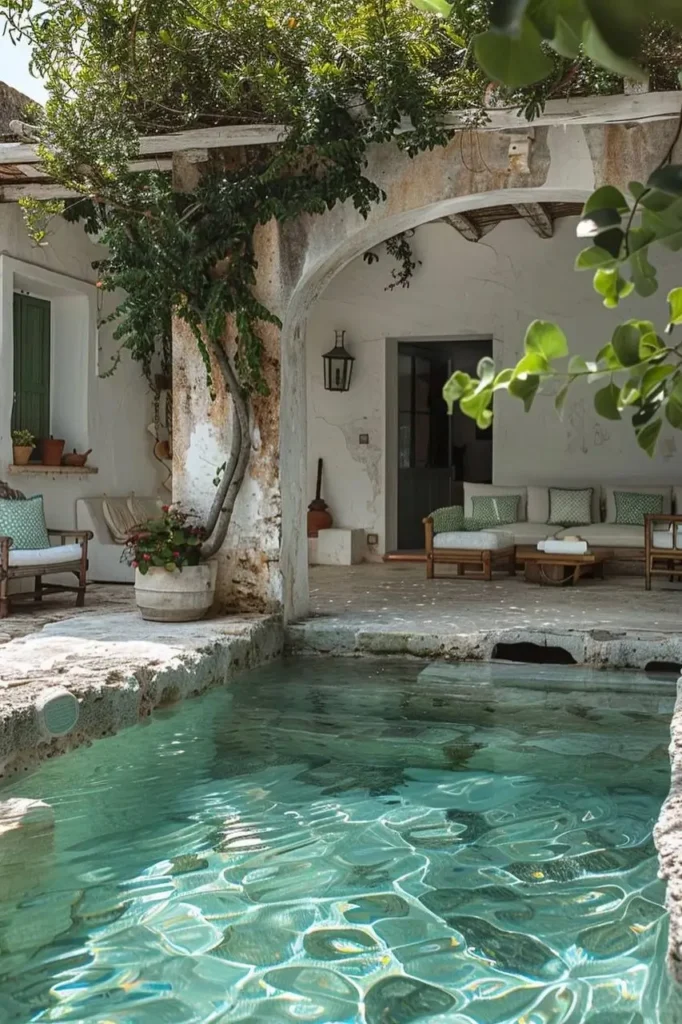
51 450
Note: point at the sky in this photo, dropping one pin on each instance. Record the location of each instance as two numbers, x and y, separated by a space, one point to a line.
14 69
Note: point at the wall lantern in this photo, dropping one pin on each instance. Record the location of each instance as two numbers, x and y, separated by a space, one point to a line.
338 365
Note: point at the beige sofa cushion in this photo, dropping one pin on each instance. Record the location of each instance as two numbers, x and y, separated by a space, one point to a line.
528 533
538 500
608 535
609 493
493 491
118 518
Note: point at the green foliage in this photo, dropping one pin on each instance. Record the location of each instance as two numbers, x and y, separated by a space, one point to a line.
616 36
340 76
170 542
23 439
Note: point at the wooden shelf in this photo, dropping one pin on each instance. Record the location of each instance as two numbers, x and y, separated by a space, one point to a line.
36 469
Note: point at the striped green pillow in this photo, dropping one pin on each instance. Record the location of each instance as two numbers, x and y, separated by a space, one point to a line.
631 507
494 510
24 522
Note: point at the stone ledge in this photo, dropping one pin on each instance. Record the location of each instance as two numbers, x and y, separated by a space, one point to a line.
118 682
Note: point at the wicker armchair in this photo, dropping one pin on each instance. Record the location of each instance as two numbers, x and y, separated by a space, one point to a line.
61 558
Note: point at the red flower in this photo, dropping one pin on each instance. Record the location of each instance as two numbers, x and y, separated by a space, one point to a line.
147 558
134 564
164 508
176 554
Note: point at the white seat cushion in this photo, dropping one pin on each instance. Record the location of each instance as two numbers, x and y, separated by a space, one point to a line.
474 540
664 538
61 554
527 533
608 535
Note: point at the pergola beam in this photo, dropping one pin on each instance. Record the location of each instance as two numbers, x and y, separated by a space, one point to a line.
466 227
580 110
536 215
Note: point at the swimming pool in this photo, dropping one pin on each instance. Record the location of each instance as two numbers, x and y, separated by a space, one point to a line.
379 842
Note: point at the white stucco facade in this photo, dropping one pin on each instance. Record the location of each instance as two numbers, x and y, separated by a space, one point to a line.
489 289
110 415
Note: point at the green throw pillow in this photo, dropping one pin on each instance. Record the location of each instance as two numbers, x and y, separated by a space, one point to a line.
24 521
631 507
494 510
569 507
448 520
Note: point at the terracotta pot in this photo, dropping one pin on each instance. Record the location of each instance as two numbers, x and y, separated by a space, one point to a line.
75 458
21 454
164 596
51 450
318 519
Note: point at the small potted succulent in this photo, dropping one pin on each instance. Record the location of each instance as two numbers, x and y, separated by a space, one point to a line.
172 584
23 443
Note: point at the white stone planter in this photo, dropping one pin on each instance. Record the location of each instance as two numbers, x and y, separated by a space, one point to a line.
176 596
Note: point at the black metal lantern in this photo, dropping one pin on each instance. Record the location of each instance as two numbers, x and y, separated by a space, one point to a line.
338 365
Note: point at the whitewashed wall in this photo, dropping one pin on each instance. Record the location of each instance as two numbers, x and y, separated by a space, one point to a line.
491 288
110 415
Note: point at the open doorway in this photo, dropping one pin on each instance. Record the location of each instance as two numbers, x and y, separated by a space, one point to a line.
436 452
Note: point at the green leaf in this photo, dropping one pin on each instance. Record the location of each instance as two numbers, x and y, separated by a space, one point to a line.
507 15
648 436
636 189
612 286
595 256
484 419
166 37
567 38
654 376
593 224
486 370
667 179
439 7
170 567
629 394
625 343
475 405
515 61
502 380
606 197
143 568
577 364
525 388
606 402
459 384
601 53
532 362
560 397
675 303
673 411
547 339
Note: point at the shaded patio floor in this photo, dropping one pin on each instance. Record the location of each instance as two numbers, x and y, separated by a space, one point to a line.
392 608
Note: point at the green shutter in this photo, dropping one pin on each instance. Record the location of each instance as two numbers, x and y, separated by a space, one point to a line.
31 409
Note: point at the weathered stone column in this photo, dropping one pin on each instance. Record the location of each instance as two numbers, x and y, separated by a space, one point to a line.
251 576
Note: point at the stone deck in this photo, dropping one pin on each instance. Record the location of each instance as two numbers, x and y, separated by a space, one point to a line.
392 609
117 665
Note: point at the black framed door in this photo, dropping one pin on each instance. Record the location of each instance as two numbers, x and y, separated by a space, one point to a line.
436 452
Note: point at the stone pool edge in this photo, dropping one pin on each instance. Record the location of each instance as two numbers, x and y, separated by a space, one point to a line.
118 683
668 839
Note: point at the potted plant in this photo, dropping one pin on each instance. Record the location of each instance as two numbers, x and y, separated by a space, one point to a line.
172 584
23 443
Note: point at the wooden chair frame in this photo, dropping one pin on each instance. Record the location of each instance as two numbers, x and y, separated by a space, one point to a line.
483 560
671 556
13 572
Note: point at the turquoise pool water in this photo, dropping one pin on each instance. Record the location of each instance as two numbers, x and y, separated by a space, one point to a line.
356 842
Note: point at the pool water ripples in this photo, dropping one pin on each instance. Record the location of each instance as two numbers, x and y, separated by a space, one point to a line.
354 842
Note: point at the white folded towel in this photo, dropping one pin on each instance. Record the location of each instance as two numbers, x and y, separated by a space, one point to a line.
552 546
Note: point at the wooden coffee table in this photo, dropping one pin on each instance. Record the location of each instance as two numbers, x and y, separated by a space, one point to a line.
562 569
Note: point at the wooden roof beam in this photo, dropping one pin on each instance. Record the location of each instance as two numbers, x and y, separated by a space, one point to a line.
537 216
465 226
